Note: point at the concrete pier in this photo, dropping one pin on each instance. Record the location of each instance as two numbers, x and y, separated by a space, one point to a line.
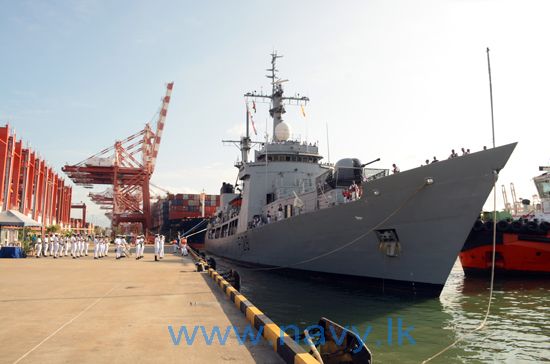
117 311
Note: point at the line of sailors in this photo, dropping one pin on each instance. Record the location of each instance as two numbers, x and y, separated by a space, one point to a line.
159 246
101 246
78 245
58 246
122 249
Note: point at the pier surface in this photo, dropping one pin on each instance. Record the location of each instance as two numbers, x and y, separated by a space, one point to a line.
117 311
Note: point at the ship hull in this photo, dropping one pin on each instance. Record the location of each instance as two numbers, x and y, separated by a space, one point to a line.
429 222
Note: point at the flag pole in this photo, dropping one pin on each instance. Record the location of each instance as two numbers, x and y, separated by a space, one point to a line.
328 146
491 96
247 121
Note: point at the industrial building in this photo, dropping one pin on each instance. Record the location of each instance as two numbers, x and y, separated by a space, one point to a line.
29 185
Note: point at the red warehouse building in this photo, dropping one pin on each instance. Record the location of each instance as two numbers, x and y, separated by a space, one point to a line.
29 185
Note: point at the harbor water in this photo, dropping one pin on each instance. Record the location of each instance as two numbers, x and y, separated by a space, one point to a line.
517 331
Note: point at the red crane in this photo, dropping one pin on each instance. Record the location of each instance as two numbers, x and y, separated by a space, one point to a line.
127 166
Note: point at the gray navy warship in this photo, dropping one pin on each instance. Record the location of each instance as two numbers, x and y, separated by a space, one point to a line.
400 231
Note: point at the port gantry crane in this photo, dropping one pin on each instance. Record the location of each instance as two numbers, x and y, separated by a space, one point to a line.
127 166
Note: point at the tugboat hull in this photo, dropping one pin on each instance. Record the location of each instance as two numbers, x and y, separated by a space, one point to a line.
524 253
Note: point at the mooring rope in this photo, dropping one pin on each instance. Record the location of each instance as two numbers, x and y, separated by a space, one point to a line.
186 233
484 321
195 233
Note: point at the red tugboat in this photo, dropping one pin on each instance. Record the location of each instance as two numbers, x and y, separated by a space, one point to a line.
522 245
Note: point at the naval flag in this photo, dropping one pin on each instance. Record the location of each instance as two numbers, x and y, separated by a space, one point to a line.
250 117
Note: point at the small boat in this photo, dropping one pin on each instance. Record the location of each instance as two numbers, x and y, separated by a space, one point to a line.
522 244
335 344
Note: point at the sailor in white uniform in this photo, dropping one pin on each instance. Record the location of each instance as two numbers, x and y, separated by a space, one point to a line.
161 255
46 244
38 246
49 245
140 245
65 249
77 246
73 246
157 246
55 240
61 243
118 246
104 246
64 246
103 249
87 244
99 246
106 241
82 244
52 242
96 247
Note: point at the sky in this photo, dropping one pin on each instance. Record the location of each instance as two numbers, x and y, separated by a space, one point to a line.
400 80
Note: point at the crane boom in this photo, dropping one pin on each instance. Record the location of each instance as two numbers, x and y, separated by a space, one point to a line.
160 125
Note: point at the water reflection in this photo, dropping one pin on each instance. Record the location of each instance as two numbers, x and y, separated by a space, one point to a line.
517 330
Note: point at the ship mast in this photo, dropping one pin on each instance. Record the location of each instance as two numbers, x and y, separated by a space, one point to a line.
276 111
276 98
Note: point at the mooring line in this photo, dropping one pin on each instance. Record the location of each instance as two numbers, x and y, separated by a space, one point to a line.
484 321
63 326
